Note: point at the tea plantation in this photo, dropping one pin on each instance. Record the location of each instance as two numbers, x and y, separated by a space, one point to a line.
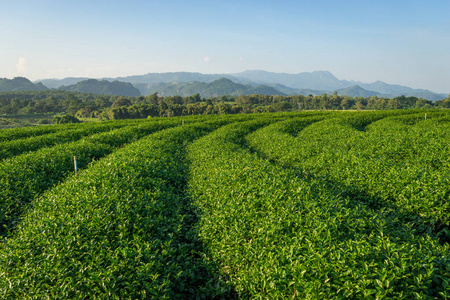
307 205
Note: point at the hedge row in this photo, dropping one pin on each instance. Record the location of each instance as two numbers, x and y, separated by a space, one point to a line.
278 235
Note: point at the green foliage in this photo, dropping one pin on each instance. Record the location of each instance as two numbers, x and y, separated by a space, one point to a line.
24 177
299 205
401 160
63 135
64 119
17 133
220 97
279 234
126 233
43 122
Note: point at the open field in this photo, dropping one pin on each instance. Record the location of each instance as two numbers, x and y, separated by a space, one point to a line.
20 120
305 205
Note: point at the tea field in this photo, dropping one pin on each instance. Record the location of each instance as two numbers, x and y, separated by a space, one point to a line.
301 205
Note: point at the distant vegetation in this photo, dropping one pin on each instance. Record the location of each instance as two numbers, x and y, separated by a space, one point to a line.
84 105
107 100
65 119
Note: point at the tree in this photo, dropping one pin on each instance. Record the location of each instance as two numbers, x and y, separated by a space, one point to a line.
345 104
102 102
445 103
335 101
65 119
196 98
393 103
223 108
152 99
324 102
121 101
359 105
85 112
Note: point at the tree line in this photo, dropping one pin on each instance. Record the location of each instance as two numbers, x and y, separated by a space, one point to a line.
117 107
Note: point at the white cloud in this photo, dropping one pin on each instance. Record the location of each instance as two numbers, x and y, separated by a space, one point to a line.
206 59
240 58
21 66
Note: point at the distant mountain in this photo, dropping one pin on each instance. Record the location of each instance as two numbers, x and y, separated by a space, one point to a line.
219 87
319 80
19 84
315 83
394 90
325 81
353 91
103 87
177 77
357 91
150 78
291 91
56 83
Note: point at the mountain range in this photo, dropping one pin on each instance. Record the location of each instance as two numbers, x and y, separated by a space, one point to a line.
103 87
211 85
216 88
19 84
315 83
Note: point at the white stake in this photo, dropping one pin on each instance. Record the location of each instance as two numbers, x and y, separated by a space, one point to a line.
75 164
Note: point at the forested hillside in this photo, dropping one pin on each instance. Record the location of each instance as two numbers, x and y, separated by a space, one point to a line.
219 87
115 107
305 83
103 87
20 84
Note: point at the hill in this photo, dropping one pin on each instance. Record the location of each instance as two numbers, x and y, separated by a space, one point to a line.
356 91
56 83
319 80
325 81
177 77
219 87
103 87
19 84
394 90
291 91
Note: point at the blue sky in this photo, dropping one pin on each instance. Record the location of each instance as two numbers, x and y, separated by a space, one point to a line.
398 42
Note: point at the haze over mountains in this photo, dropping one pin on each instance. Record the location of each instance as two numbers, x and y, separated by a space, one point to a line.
248 82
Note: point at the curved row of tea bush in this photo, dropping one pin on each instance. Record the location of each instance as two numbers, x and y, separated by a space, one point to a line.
34 131
26 132
18 146
276 235
59 134
24 177
164 218
400 160
121 229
